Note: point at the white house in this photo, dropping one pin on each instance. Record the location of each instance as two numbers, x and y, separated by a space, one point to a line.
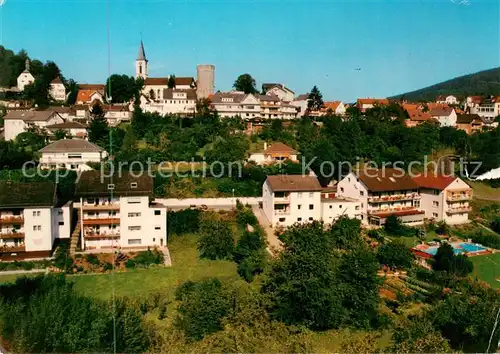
25 78
450 99
71 154
301 103
72 128
57 90
335 107
275 153
445 198
364 104
90 96
290 199
383 193
234 104
17 122
279 90
31 219
446 116
116 114
118 211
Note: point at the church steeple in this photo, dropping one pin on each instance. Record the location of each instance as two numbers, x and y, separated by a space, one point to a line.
141 63
27 66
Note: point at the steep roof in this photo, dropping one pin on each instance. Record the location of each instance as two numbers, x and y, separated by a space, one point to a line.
468 118
303 97
169 93
21 195
440 111
382 101
293 183
67 125
91 183
59 109
156 81
418 115
385 180
277 148
30 116
85 95
142 53
71 145
267 86
268 98
433 181
237 97
184 81
333 105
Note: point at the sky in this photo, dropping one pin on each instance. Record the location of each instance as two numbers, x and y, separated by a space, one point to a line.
398 45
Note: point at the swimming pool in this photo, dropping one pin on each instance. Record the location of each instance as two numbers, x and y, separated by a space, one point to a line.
459 248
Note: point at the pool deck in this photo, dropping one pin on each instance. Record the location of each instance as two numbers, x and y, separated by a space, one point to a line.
423 248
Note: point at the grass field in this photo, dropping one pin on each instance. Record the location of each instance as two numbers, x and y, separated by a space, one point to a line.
185 266
484 191
487 268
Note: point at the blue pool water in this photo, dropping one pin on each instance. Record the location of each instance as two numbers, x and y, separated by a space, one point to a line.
463 247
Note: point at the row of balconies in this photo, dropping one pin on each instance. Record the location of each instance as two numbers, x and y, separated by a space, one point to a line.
102 236
464 209
458 197
390 210
12 235
12 249
15 220
388 198
115 220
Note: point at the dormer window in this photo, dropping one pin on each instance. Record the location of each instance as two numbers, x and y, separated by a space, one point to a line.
133 185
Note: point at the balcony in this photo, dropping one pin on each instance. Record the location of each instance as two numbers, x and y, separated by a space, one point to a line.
15 220
13 249
12 235
102 236
281 211
391 198
285 199
452 211
392 210
458 197
101 206
101 221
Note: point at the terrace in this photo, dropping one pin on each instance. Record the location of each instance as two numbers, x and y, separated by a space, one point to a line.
389 198
9 220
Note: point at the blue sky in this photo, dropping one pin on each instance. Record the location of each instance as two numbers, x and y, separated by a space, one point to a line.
399 45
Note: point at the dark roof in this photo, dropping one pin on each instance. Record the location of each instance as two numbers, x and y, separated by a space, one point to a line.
168 94
71 145
293 183
440 111
237 97
67 125
277 148
21 195
384 180
92 184
187 81
467 118
431 181
266 87
142 53
158 81
59 109
57 80
270 98
303 97
30 116
95 87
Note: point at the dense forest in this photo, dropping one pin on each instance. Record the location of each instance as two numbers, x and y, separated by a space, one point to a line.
482 83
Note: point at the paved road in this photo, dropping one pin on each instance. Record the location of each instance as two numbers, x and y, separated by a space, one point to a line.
274 244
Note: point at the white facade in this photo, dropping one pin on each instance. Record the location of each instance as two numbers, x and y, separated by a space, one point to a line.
236 104
449 120
16 123
125 222
452 100
57 91
75 161
284 93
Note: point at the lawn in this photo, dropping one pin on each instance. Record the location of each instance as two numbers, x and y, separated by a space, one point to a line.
484 191
185 266
487 268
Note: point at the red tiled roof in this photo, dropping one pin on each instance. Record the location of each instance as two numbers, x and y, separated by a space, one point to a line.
433 181
160 81
280 148
418 115
440 111
85 95
333 105
372 101
421 254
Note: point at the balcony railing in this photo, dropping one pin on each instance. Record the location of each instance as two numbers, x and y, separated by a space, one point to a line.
106 206
102 236
390 210
12 235
391 198
12 249
100 221
451 211
11 220
282 199
282 212
458 198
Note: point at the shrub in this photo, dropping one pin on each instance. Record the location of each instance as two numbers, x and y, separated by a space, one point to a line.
248 243
446 260
130 263
27 265
495 224
442 228
395 255
376 235
106 266
393 226
489 240
92 259
183 221
216 240
252 265
245 215
62 259
146 258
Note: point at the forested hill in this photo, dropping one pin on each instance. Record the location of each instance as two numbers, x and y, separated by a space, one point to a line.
482 83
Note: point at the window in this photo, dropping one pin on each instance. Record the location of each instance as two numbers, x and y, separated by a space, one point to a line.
60 212
157 228
299 219
37 228
311 206
90 201
61 223
134 215
299 195
311 219
134 228
435 204
299 206
135 241
111 213
74 156
340 206
342 189
282 219
361 193
134 200
133 185
357 207
416 203
331 206
434 215
157 212
154 240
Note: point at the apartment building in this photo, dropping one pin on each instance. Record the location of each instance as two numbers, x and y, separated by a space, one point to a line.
236 103
382 193
290 199
119 211
31 219
72 129
444 198
71 154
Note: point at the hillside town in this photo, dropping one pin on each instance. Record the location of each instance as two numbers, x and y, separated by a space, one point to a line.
365 216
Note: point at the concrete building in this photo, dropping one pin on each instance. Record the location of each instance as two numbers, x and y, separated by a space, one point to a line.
290 199
57 90
279 90
445 198
446 116
275 153
205 84
72 129
31 219
232 104
469 123
118 211
72 154
383 193
25 78
17 122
